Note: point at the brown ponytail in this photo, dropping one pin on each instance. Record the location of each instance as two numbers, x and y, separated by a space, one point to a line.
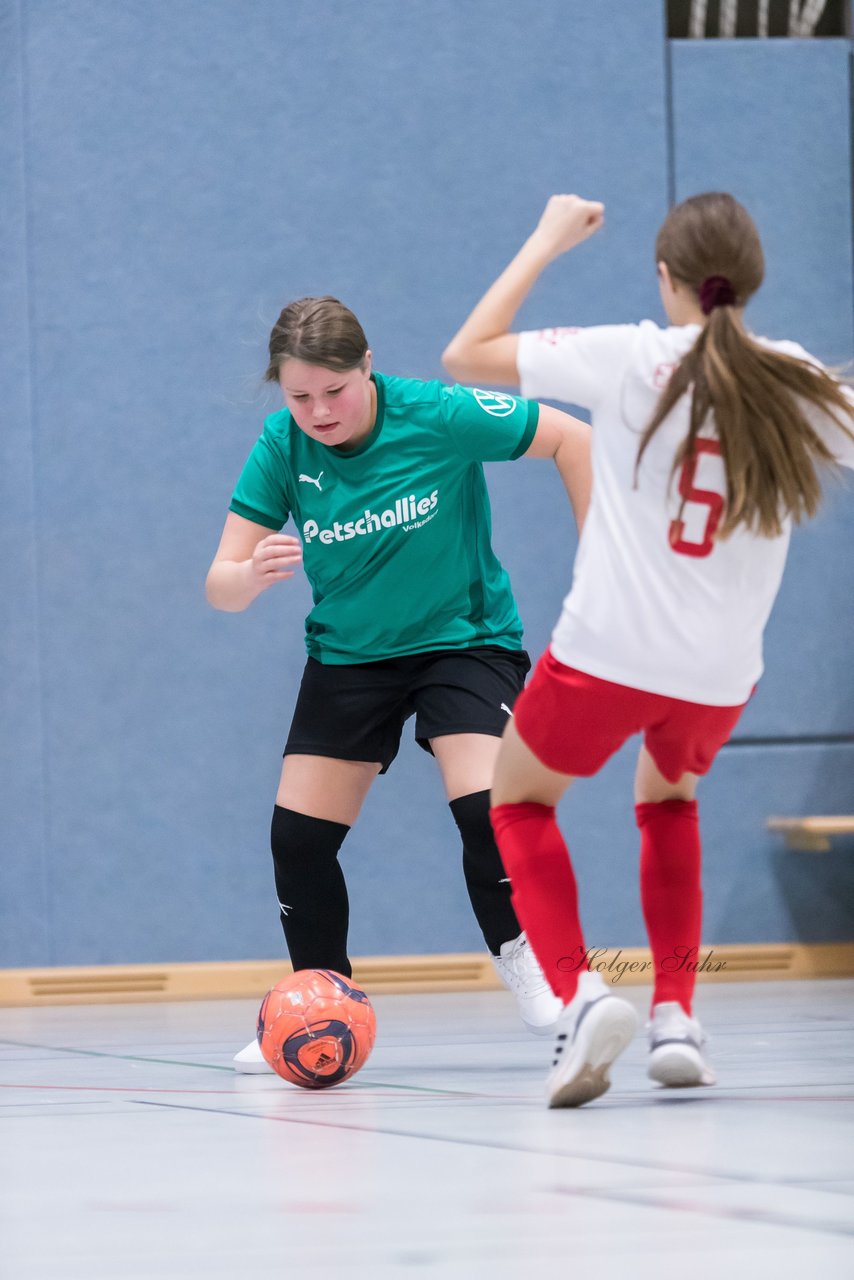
758 398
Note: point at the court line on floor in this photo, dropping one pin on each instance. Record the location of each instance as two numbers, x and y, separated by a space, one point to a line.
126 1057
720 1095
212 1066
379 1086
759 1217
739 1178
228 1093
113 1088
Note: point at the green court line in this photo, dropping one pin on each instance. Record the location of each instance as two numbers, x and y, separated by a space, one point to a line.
127 1057
212 1066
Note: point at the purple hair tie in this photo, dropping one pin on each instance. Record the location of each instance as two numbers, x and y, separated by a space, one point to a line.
716 291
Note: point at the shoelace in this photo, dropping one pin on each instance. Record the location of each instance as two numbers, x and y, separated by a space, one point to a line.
523 972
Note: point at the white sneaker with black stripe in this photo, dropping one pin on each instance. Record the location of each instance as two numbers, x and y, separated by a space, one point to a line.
676 1044
594 1028
519 970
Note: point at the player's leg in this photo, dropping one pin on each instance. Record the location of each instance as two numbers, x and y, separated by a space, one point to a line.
467 762
345 730
681 742
462 700
672 901
670 877
525 794
318 800
566 725
595 1025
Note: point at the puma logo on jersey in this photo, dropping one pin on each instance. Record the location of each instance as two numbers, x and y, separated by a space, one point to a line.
311 480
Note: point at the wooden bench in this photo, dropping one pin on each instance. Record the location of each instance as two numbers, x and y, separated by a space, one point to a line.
812 835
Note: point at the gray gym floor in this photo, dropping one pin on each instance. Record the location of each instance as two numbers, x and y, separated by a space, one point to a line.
129 1148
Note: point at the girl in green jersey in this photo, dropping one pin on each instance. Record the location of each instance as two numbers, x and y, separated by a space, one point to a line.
413 613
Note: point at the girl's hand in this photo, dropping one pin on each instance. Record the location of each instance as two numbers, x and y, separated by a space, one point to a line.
566 221
274 559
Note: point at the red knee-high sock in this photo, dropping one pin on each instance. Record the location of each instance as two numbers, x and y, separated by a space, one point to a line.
671 894
545 897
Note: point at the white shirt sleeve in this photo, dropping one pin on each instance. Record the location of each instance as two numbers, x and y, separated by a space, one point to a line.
573 365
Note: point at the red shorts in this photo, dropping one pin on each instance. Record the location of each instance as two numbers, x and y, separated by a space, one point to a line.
574 722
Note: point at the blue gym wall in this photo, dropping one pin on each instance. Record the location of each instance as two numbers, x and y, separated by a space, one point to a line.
171 176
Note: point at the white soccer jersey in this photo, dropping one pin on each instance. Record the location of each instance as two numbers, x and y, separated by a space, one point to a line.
663 608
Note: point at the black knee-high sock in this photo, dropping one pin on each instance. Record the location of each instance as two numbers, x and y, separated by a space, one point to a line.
486 879
313 904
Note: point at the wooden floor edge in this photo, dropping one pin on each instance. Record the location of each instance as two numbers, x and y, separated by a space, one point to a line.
223 980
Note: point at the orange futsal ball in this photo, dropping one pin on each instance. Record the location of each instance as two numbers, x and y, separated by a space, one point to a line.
315 1028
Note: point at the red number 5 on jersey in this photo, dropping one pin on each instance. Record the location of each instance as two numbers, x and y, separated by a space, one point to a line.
704 497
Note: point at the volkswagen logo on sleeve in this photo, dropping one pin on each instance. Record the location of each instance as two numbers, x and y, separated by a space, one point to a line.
496 403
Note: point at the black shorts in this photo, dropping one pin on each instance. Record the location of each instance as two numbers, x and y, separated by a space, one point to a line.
357 711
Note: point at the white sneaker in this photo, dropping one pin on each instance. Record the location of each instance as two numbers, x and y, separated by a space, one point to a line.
519 970
251 1060
676 1043
593 1029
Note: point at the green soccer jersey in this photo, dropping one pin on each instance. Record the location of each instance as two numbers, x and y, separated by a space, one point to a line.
396 532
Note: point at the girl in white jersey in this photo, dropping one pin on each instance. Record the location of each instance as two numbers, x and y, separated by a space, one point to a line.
706 448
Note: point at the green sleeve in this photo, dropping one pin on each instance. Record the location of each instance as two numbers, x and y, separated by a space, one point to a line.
261 492
488 426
